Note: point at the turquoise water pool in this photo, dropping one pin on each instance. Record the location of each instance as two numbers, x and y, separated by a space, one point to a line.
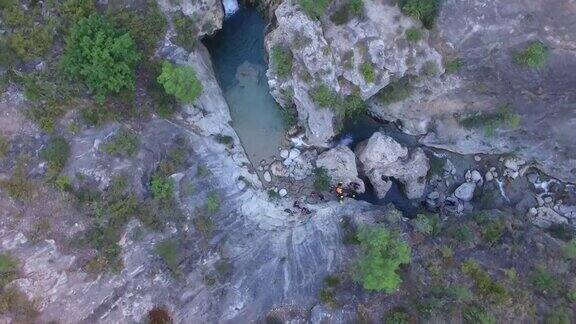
237 52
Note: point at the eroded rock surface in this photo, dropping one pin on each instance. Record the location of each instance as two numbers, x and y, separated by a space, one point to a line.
340 163
382 158
486 36
333 56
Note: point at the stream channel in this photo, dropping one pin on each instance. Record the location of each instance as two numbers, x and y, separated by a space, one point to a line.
238 57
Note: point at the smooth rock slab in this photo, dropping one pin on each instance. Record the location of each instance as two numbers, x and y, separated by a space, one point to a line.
465 191
340 163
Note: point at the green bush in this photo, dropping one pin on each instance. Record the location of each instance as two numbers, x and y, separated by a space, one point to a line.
332 281
326 296
314 8
213 202
282 60
422 224
562 231
429 69
382 254
543 281
571 295
56 154
8 60
477 315
424 10
488 288
559 315
125 143
94 116
186 31
18 186
203 224
289 116
4 146
569 250
181 82
452 66
175 159
323 96
16 304
101 56
395 91
169 251
8 269
15 17
349 10
368 73
31 42
63 183
6 4
504 117
46 116
414 34
493 231
224 139
321 179
111 210
535 55
462 234
147 26
436 166
352 106
72 11
396 317
162 188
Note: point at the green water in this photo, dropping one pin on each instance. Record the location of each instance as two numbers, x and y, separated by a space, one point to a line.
237 52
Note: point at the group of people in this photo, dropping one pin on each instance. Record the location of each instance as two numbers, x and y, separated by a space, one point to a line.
341 192
351 191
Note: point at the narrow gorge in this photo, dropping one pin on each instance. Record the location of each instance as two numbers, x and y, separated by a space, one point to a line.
293 161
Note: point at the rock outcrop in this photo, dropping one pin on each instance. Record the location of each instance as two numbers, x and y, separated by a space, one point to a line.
270 255
334 55
340 163
487 36
382 158
207 15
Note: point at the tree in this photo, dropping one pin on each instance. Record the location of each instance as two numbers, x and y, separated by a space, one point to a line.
101 56
382 254
180 81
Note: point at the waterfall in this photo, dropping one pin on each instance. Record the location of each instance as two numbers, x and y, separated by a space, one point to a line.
501 188
345 140
230 7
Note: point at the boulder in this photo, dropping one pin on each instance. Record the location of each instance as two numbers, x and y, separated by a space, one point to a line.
545 217
340 163
383 158
465 191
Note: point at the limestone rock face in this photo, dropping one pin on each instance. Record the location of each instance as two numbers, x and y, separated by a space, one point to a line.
383 158
487 35
340 162
274 257
207 15
334 56
313 65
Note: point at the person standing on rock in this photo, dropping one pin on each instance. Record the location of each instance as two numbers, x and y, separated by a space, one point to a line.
353 189
339 192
